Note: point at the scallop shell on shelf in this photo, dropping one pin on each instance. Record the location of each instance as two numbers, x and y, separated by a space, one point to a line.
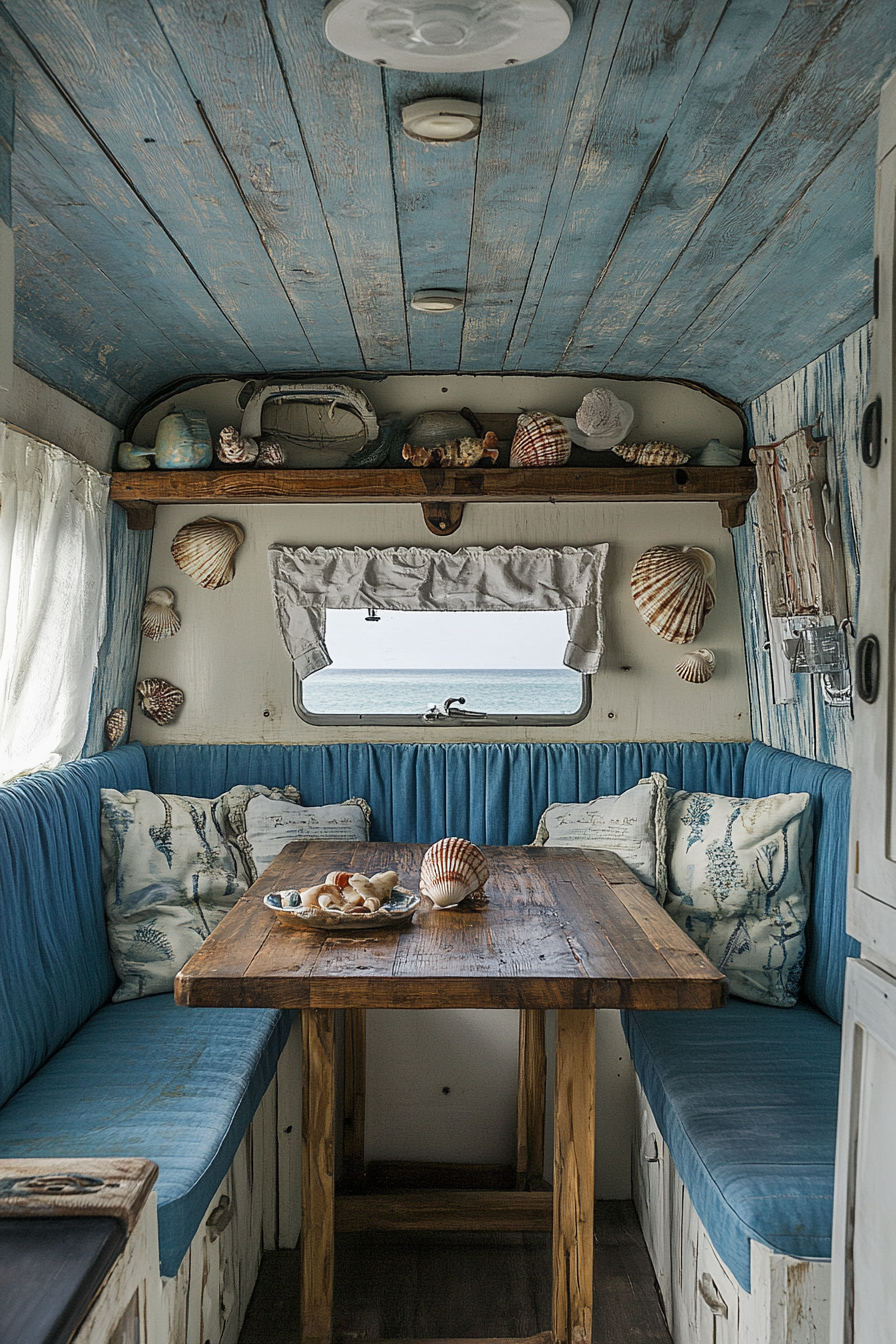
204 550
233 448
452 870
270 454
541 440
697 667
159 700
673 590
653 454
115 725
159 619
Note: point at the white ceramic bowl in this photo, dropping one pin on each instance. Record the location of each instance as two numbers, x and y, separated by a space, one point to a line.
398 909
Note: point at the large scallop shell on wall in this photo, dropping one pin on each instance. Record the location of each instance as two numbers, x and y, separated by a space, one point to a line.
159 619
540 440
159 700
697 667
205 549
672 589
452 870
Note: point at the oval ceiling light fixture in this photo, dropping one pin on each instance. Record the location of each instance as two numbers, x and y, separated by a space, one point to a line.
437 120
437 300
438 38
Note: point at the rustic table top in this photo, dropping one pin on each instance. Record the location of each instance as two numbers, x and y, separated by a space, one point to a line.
564 928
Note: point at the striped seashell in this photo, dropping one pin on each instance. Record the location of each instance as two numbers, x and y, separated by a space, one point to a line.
233 448
452 870
159 700
653 454
159 619
205 549
541 440
672 589
270 454
115 725
697 667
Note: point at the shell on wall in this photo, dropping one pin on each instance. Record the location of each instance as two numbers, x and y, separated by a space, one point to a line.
204 550
159 619
653 454
697 667
115 725
234 449
452 870
672 589
159 700
541 440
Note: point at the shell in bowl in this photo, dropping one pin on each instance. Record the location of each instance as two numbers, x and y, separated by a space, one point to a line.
398 909
452 870
673 590
540 440
204 550
159 619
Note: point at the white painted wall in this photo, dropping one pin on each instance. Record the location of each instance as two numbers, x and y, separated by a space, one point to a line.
48 414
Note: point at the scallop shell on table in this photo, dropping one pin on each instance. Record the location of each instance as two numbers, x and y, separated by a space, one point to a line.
540 440
115 725
159 619
697 667
204 550
452 870
653 454
159 700
233 448
673 590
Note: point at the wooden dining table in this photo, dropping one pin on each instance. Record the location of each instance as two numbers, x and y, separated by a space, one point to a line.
564 929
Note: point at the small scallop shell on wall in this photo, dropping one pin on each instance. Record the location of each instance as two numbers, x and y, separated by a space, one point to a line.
115 725
540 440
452 870
653 454
697 667
672 589
204 550
159 619
159 700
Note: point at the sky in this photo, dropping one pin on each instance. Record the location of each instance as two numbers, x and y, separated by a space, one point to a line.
431 639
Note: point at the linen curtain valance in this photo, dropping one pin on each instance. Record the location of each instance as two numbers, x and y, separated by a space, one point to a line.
413 578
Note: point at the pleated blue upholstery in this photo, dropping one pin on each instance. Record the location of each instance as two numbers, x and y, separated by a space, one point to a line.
56 965
746 1099
149 1079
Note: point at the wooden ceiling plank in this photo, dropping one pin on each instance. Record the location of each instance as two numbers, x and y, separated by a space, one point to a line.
45 358
114 63
261 140
526 113
434 199
659 51
339 105
93 206
835 94
756 52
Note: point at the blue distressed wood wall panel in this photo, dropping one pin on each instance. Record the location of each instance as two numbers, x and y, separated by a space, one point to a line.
7 128
116 671
836 387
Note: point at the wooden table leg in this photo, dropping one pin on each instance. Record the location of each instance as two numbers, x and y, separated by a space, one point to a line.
318 1166
573 1177
354 1096
530 1101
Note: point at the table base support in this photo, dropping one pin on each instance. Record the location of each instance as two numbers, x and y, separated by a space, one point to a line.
318 1168
574 1177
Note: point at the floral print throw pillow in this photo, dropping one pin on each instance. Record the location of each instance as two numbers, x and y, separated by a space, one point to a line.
739 875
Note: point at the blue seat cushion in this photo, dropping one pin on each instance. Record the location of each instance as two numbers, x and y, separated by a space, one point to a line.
746 1099
149 1079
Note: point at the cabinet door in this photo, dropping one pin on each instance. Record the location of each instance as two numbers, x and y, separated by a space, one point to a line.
717 1299
653 1193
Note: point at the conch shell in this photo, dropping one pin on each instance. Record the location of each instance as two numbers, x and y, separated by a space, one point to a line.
653 454
159 619
603 419
672 588
698 666
541 440
159 700
234 449
452 870
205 549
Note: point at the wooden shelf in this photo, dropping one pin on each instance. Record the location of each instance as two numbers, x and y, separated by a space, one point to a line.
442 491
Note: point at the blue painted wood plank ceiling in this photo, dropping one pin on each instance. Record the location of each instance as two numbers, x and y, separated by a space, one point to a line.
685 188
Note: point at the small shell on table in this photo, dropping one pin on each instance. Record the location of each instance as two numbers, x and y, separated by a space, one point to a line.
233 448
270 454
115 725
159 619
672 589
159 700
204 550
697 667
653 454
452 870
541 440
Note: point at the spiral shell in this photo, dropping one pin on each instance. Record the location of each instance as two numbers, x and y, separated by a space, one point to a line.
205 549
672 589
451 870
540 440
602 416
159 700
697 667
233 448
159 619
270 454
115 725
653 454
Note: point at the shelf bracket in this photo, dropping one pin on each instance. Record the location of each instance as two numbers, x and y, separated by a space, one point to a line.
141 514
442 516
734 512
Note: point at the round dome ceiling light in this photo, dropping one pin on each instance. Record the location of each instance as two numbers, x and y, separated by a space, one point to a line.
437 300
437 120
436 37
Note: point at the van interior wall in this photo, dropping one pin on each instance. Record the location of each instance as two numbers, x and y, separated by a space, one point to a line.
47 413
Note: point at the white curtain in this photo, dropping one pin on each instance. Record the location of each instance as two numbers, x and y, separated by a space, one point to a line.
52 600
412 578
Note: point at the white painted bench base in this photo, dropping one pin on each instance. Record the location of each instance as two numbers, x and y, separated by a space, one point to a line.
703 1302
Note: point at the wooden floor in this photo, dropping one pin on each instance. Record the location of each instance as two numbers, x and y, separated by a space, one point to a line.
454 1286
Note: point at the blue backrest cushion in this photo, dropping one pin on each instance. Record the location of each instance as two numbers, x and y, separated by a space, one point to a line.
56 964
827 943
491 793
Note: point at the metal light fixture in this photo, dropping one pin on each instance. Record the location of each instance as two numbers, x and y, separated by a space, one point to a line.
436 120
437 300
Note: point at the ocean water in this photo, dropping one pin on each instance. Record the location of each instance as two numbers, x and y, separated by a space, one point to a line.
411 691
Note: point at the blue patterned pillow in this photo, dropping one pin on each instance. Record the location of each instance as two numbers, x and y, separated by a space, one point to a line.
739 875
